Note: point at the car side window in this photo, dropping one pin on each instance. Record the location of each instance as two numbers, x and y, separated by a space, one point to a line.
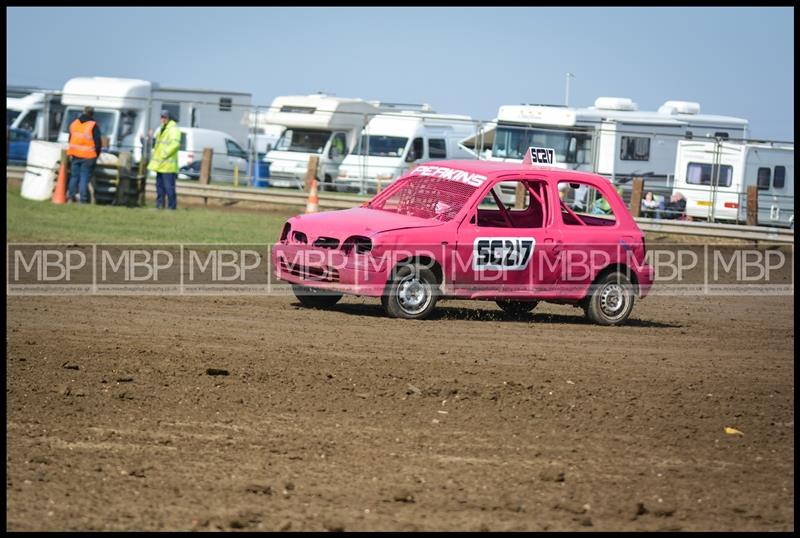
234 149
584 205
513 204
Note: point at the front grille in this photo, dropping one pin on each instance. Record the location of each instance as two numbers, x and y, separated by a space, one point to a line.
318 274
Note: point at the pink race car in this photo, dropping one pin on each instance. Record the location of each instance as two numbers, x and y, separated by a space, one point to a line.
513 233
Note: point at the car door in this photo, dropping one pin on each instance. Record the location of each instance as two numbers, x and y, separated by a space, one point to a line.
236 158
591 231
508 249
336 151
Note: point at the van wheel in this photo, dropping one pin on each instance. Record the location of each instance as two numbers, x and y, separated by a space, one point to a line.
315 297
411 294
516 308
610 299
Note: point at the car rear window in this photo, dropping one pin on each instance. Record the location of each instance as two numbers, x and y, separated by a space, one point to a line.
425 197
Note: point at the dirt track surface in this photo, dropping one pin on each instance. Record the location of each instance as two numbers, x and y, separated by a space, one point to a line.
344 419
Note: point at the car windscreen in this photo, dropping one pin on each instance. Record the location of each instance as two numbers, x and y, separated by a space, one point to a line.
105 120
381 146
11 115
426 197
303 140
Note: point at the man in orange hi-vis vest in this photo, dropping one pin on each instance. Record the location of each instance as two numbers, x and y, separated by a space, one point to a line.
84 147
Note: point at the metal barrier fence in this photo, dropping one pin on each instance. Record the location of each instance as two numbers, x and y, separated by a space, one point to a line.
293 198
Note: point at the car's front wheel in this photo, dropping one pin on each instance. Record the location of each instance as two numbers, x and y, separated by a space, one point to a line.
412 293
314 297
610 299
516 308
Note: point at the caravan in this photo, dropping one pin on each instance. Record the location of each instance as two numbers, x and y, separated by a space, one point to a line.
714 176
613 138
393 143
320 125
127 109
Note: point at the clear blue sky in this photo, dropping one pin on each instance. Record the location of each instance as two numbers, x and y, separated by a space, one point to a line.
733 61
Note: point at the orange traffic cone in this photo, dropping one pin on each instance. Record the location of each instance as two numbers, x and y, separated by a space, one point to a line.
60 193
312 206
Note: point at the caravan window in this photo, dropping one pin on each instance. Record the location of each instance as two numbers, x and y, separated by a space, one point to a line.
763 178
780 177
634 148
174 111
381 146
701 174
570 147
303 140
437 149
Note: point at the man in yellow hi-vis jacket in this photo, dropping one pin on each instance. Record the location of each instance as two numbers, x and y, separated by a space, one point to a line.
164 161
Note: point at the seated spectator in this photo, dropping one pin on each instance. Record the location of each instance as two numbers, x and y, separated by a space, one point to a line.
673 209
649 205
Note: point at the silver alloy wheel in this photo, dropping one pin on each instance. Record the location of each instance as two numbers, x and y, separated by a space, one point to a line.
612 300
413 295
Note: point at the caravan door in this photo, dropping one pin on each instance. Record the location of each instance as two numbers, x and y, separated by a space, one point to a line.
334 153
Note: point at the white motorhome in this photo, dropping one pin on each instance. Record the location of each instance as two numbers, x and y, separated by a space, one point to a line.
613 138
393 143
714 176
317 124
38 112
264 138
127 109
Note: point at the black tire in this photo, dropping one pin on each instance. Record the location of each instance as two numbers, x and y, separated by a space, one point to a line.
315 297
516 308
412 293
610 299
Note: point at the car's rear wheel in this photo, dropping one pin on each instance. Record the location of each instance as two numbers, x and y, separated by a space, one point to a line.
315 297
610 299
516 308
412 293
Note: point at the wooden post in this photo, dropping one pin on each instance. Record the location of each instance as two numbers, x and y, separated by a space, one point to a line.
752 205
236 175
636 196
311 171
142 178
123 177
519 196
205 168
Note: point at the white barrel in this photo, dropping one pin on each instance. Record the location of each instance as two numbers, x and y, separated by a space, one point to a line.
41 170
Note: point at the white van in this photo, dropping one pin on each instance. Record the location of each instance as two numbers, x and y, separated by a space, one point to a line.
228 154
714 177
38 112
391 144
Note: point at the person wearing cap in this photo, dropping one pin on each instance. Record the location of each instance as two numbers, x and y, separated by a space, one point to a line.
164 161
85 144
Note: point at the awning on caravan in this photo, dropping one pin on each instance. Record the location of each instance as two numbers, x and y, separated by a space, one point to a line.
481 140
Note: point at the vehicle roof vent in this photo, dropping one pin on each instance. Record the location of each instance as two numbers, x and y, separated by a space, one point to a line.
615 103
679 107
